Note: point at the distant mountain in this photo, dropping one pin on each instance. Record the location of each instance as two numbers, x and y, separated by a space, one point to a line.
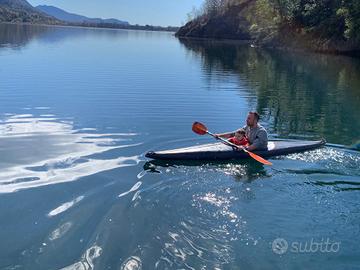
75 18
20 11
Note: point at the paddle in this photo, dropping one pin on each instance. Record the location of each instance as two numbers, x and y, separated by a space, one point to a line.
201 129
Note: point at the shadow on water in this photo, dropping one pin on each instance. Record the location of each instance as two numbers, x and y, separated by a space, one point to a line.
339 185
240 170
297 93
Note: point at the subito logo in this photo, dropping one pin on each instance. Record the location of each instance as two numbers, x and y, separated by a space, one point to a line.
279 246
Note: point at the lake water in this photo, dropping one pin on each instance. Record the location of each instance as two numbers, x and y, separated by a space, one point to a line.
79 108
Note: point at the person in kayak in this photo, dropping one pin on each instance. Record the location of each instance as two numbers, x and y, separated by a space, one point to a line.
239 138
255 133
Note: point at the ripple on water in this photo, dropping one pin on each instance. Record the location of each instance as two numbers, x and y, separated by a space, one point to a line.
206 223
132 189
331 159
65 206
328 167
132 263
60 232
38 151
87 259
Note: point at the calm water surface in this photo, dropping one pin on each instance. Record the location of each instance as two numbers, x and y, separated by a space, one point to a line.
80 107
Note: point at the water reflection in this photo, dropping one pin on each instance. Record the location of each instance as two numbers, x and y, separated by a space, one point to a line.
299 94
16 36
212 216
37 151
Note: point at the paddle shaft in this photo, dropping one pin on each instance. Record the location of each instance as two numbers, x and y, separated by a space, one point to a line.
227 142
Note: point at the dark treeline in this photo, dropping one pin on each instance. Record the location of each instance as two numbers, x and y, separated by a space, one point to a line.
332 18
332 25
125 26
338 19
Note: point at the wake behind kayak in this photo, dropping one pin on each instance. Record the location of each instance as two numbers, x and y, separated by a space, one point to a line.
220 151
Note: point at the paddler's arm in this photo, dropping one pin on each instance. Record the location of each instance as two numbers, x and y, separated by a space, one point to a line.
251 147
225 135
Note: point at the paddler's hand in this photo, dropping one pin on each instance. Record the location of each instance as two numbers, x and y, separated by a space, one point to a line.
216 136
240 148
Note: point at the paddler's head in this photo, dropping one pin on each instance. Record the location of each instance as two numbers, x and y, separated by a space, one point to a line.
252 119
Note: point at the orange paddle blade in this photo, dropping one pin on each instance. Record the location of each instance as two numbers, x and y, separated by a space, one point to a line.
260 159
199 128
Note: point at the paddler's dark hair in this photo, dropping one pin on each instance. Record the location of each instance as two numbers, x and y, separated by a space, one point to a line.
257 116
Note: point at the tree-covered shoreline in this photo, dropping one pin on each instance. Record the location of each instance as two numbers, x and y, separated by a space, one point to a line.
331 26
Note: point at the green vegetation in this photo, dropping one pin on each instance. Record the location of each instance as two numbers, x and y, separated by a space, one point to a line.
324 25
20 15
337 19
332 18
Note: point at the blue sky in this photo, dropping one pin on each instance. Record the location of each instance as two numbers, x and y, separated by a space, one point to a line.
153 12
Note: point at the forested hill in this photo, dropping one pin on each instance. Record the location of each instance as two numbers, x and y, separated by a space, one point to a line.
20 11
320 25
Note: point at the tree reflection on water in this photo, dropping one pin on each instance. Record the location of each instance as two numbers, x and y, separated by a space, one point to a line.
299 94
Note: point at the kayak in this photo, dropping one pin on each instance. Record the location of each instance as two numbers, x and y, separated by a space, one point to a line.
221 151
